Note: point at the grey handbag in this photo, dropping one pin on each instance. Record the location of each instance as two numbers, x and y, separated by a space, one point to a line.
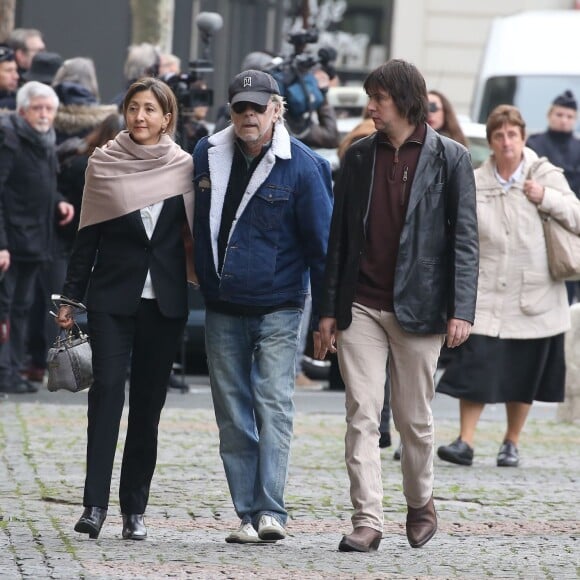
69 360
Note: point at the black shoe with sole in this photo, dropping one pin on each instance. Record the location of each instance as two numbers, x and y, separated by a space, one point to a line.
508 455
385 440
91 521
14 389
134 527
457 452
397 453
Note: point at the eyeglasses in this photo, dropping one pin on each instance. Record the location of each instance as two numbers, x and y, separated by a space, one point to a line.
241 106
433 107
6 54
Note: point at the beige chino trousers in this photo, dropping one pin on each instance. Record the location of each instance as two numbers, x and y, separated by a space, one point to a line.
373 338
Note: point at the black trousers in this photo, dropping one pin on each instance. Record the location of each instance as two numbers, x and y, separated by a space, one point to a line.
149 340
16 296
41 327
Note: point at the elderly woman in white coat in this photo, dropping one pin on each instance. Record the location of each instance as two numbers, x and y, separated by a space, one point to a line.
515 354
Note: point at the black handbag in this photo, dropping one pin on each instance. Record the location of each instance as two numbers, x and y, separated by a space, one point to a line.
69 360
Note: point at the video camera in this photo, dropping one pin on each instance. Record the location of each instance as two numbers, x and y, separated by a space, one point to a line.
294 74
190 89
326 55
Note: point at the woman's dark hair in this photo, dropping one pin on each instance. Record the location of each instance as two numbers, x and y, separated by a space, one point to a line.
451 127
104 132
163 94
502 115
403 82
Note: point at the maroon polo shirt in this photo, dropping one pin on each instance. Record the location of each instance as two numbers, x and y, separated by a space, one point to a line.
394 173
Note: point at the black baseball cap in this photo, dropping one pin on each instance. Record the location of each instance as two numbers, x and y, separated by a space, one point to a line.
253 86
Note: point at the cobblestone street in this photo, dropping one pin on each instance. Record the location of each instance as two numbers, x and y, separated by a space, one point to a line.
493 522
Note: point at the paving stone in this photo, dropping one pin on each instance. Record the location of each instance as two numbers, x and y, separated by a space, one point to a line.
493 522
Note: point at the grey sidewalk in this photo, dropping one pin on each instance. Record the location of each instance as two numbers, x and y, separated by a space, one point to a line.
493 522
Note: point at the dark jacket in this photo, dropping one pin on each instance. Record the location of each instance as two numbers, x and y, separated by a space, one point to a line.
562 150
122 254
28 194
281 228
437 265
7 101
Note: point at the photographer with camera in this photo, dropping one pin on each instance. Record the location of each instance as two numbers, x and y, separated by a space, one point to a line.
194 98
304 81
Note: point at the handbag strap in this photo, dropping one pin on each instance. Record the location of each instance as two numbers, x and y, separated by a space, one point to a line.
529 175
65 336
59 299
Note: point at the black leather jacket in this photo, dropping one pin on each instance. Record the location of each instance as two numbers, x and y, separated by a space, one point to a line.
438 261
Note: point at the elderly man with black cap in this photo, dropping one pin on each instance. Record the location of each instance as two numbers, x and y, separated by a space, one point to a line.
263 204
562 148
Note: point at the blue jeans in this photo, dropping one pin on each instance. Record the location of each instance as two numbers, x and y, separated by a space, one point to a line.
251 369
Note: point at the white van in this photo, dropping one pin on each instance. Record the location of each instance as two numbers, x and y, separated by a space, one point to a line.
529 59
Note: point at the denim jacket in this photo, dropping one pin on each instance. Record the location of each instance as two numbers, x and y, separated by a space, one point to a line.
280 230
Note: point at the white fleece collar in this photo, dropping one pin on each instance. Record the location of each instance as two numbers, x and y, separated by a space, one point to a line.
220 158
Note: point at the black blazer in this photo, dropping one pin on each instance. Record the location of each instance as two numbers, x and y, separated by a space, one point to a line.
437 264
110 260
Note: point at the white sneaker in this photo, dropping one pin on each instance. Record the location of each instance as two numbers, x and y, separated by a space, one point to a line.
245 534
269 528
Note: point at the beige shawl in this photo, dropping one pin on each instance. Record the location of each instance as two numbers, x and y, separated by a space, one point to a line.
123 177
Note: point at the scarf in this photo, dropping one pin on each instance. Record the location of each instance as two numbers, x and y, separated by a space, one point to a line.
123 177
45 141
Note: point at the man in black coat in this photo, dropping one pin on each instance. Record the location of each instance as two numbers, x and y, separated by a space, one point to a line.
401 273
562 148
558 142
28 202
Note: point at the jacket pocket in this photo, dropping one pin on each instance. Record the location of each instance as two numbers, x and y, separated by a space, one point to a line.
435 189
268 206
537 294
28 237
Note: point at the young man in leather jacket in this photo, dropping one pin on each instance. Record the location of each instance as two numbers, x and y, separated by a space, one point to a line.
401 273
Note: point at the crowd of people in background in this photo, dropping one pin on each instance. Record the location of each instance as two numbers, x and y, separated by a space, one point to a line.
386 292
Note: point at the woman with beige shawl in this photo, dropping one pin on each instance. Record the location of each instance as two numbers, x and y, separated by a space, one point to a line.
129 258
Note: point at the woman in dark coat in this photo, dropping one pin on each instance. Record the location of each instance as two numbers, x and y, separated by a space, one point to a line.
129 258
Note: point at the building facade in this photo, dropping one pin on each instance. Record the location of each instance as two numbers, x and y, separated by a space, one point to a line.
444 38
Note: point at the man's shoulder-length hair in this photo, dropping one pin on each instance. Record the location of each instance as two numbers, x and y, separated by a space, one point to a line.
403 82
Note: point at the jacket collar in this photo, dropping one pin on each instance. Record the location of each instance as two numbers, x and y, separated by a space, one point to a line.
431 161
486 176
280 140
220 156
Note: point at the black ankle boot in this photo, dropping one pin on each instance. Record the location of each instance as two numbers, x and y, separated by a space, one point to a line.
134 527
91 521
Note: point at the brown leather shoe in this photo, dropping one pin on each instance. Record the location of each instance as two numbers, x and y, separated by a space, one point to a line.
363 539
421 524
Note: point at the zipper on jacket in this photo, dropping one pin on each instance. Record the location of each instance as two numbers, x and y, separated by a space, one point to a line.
403 189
